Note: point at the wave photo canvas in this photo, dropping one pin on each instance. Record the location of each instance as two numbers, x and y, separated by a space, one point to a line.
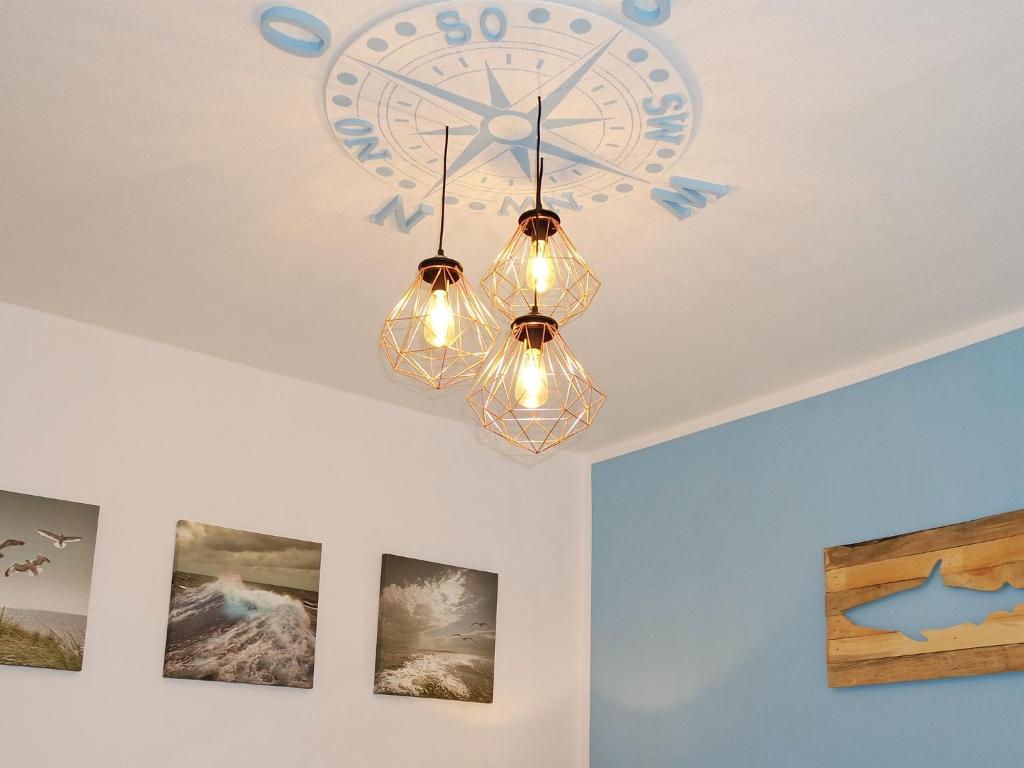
46 557
436 631
243 607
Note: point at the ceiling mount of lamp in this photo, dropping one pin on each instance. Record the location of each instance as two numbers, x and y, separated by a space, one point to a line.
532 392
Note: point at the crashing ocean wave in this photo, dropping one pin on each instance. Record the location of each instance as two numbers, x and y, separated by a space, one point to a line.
418 675
464 677
226 630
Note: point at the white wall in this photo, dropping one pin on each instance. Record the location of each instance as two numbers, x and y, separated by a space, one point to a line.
153 434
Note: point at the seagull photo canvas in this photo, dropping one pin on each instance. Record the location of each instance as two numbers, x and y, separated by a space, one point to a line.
435 631
46 557
243 607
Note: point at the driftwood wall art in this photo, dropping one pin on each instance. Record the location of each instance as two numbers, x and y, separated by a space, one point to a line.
945 602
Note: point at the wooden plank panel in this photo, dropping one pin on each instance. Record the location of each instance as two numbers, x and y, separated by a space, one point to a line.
840 626
981 555
1000 628
987 579
971 661
972 557
837 602
957 535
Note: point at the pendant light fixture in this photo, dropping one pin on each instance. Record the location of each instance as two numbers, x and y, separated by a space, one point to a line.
534 393
439 333
539 266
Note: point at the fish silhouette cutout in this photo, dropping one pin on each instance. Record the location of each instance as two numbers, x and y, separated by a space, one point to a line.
933 605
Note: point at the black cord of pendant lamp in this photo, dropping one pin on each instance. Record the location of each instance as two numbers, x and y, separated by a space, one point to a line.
540 175
540 160
444 193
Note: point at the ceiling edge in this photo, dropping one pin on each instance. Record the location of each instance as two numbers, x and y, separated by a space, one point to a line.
814 387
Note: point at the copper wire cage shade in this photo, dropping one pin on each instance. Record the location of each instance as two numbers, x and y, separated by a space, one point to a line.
539 269
534 393
540 266
439 332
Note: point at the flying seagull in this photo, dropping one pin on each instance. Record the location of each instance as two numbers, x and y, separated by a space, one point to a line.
10 543
28 565
464 637
478 624
59 539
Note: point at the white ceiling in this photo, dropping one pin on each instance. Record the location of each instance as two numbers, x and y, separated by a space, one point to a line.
168 173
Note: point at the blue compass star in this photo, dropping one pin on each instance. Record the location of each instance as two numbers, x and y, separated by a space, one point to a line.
501 126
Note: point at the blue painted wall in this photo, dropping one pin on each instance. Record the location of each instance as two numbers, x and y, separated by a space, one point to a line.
708 626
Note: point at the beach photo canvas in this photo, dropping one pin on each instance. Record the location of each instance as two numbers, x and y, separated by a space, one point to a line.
46 557
243 607
436 631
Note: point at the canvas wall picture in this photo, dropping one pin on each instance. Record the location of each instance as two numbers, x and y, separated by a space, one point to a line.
243 607
46 558
944 602
435 631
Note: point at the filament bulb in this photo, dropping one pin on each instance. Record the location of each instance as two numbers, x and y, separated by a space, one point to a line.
532 381
439 325
539 269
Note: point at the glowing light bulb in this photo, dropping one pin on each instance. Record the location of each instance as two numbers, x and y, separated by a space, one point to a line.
532 381
539 269
439 325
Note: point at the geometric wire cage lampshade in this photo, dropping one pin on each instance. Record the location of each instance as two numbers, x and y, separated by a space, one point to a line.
439 332
534 393
540 266
539 269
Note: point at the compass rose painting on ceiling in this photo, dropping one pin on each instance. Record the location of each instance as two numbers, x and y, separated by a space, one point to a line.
618 111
